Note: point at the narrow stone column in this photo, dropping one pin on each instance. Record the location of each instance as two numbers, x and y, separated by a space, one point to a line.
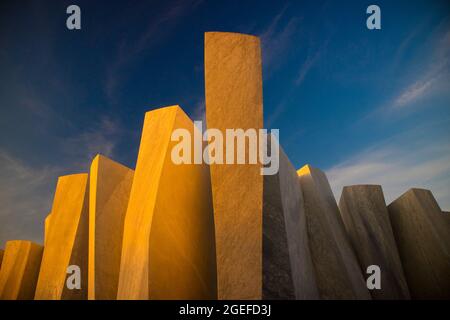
366 220
20 270
233 89
423 239
337 270
109 191
67 241
288 271
168 249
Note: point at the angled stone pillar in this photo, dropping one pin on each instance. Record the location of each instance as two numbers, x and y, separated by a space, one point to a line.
233 89
67 241
337 270
288 271
20 270
47 226
109 191
366 220
423 239
168 249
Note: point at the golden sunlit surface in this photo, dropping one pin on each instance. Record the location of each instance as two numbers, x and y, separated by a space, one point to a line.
109 191
20 269
168 243
233 90
67 241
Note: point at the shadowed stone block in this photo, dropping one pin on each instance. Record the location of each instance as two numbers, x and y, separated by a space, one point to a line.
20 270
1 258
366 220
168 249
288 272
233 89
47 226
109 191
338 273
423 239
67 241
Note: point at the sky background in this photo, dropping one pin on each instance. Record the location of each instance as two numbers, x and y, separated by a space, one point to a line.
364 106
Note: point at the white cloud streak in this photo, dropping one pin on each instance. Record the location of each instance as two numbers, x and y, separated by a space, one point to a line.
398 165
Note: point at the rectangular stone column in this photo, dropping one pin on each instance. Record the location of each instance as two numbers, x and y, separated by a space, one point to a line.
366 220
67 241
168 249
20 270
423 239
288 271
109 191
233 89
337 271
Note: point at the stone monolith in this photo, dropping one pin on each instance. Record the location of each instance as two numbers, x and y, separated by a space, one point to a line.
233 90
67 241
109 191
366 220
337 270
20 270
168 249
288 271
423 239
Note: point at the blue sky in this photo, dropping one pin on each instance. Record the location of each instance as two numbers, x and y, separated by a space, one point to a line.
365 106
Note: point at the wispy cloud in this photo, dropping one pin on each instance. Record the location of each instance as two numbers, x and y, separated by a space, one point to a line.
433 77
414 92
310 61
129 49
27 189
276 38
26 198
102 137
399 164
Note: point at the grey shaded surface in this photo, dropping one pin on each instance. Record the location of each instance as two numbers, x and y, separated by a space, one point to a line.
423 239
288 272
366 219
337 270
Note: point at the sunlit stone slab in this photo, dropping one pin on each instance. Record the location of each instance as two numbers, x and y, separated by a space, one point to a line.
366 220
423 239
109 191
288 272
168 249
20 269
337 271
67 240
47 226
233 88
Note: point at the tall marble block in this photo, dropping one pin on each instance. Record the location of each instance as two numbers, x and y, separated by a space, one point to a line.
288 272
109 191
423 239
233 89
366 220
168 249
20 270
337 270
67 241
